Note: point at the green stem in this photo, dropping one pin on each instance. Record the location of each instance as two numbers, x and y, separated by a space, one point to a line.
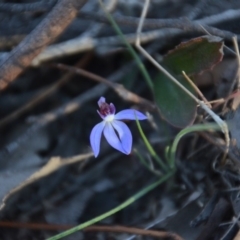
130 48
114 210
150 148
194 128
142 160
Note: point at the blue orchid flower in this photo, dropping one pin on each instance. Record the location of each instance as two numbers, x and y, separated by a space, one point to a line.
116 132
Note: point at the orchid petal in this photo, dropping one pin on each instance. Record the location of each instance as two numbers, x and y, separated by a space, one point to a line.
124 135
100 114
130 114
112 107
112 138
116 132
95 137
101 101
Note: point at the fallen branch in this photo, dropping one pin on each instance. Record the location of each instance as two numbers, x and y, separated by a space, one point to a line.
47 31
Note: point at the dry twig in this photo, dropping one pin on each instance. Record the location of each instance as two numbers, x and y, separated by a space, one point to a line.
116 229
180 23
118 88
50 28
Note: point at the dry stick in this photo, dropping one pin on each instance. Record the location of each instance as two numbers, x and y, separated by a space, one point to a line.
43 94
118 88
34 226
183 23
196 89
99 228
238 61
215 117
79 44
133 230
151 23
217 102
51 27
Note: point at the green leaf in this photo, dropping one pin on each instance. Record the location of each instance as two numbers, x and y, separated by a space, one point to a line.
195 56
175 105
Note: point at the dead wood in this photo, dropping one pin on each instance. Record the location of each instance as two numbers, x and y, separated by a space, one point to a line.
46 32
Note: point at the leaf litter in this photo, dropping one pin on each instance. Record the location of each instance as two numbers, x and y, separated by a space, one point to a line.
52 178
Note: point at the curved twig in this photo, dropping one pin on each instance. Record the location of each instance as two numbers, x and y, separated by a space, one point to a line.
49 29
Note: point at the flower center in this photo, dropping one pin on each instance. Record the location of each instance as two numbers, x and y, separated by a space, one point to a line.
105 110
109 118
